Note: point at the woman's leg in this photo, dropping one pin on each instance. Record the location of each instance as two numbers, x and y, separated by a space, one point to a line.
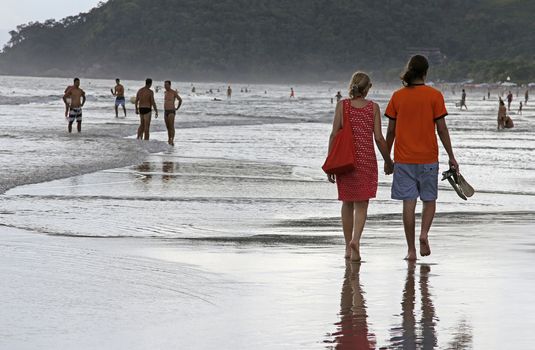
347 224
361 213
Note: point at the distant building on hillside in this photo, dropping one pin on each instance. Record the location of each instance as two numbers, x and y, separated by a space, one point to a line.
433 54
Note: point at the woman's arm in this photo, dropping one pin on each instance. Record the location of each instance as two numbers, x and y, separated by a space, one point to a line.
380 140
337 125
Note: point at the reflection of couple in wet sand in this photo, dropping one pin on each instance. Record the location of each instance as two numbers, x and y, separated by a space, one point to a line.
415 113
353 332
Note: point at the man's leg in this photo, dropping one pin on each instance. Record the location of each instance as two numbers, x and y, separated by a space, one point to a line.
79 126
171 128
124 110
141 128
70 126
146 125
116 111
428 214
347 224
409 207
361 213
168 127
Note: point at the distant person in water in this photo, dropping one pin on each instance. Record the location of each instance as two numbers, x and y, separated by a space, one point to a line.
338 96
415 112
520 108
502 114
144 104
118 92
463 100
488 94
509 100
170 96
358 186
526 97
292 93
229 92
75 104
193 89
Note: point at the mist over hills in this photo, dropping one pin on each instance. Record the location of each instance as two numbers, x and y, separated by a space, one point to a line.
279 40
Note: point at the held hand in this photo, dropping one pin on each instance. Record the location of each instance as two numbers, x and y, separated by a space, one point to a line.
389 167
454 165
156 115
331 178
137 111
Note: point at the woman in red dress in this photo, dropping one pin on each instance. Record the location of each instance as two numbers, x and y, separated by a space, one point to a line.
355 188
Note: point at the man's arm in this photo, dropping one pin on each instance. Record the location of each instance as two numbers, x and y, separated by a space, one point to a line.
65 96
83 98
390 134
444 134
177 96
114 93
137 103
153 103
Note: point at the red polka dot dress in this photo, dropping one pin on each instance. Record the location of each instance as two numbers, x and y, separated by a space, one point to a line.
361 183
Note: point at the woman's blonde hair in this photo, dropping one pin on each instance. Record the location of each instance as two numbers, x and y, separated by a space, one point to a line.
358 85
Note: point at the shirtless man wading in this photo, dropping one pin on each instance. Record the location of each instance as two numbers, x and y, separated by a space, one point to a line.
170 96
118 92
77 101
144 104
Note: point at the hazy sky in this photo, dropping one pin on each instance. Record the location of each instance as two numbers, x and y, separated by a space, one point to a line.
15 12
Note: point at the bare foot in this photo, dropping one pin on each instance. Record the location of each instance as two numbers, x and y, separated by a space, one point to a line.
425 249
348 252
411 256
355 254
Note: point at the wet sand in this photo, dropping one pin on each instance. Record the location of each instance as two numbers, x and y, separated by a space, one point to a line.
474 292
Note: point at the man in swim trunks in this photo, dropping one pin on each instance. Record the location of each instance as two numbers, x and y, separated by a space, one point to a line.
118 92
144 103
170 96
77 101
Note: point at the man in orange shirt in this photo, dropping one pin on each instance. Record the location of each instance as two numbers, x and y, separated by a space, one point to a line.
414 112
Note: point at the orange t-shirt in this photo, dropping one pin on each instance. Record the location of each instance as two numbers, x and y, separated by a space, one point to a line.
415 110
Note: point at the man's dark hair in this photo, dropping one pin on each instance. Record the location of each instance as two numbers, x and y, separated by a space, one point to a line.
148 81
168 81
117 79
76 79
416 69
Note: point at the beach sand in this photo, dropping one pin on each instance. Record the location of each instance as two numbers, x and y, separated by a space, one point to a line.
474 292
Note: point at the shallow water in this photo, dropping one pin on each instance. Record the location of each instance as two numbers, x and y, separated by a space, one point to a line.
242 201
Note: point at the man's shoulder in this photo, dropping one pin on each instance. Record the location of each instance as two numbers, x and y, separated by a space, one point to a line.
433 91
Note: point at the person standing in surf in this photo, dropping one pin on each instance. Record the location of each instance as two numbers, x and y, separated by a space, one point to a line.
170 96
74 100
463 100
415 111
357 187
509 100
144 104
118 92
229 92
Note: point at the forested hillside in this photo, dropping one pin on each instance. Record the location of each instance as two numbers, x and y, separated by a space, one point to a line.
279 39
